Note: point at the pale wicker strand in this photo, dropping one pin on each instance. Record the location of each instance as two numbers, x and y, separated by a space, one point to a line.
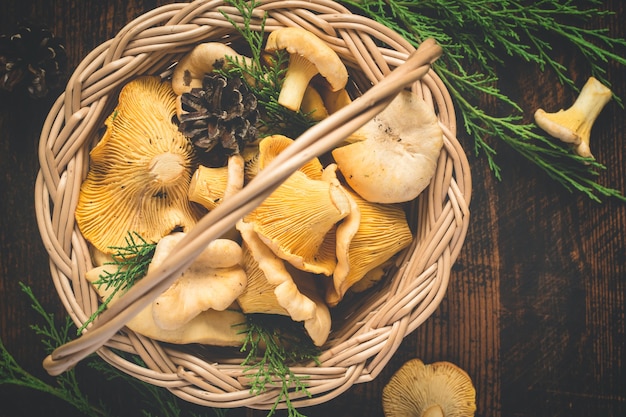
139 372
335 388
379 361
82 264
133 29
58 214
63 287
74 90
46 152
58 260
321 6
420 315
210 381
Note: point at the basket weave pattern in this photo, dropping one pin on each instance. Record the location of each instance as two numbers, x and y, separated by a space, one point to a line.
364 340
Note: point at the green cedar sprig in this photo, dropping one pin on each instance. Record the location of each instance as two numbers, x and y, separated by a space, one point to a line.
477 37
156 401
131 262
66 386
273 343
264 78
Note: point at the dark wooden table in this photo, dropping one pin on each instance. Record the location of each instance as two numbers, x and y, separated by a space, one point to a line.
536 307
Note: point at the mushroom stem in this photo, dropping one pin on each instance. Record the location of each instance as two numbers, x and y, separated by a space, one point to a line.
308 56
167 167
235 175
297 78
592 99
573 125
433 411
207 186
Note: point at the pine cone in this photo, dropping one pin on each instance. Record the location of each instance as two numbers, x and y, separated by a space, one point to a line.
219 118
32 59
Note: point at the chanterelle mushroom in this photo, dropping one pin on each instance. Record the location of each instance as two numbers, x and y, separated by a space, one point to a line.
313 104
214 280
369 236
574 124
211 327
276 291
308 56
139 171
393 156
210 186
333 100
271 146
440 389
295 220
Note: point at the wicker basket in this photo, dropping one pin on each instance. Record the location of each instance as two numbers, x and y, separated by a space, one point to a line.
364 337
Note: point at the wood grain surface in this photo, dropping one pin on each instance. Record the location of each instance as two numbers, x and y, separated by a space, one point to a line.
536 307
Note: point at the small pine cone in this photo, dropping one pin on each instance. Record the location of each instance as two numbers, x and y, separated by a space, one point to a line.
219 118
32 60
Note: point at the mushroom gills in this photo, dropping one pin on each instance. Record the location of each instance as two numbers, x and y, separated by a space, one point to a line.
139 171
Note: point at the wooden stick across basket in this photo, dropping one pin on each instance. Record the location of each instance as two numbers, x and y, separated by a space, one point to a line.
382 63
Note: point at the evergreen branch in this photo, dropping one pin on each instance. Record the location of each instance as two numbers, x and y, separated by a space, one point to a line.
272 344
264 77
480 35
573 172
67 386
157 401
131 262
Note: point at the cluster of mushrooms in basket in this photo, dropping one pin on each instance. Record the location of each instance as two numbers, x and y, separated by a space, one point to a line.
174 149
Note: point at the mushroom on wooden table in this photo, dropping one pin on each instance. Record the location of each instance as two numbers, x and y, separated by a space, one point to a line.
440 389
573 125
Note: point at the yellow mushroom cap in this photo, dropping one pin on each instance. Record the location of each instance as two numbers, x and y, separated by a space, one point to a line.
313 104
202 59
369 236
294 209
436 390
273 289
271 146
309 55
259 296
296 218
333 100
139 171
372 277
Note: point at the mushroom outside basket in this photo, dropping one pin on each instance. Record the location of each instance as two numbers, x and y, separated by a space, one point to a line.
366 334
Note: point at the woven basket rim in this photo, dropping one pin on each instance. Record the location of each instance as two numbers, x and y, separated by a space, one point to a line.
149 44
